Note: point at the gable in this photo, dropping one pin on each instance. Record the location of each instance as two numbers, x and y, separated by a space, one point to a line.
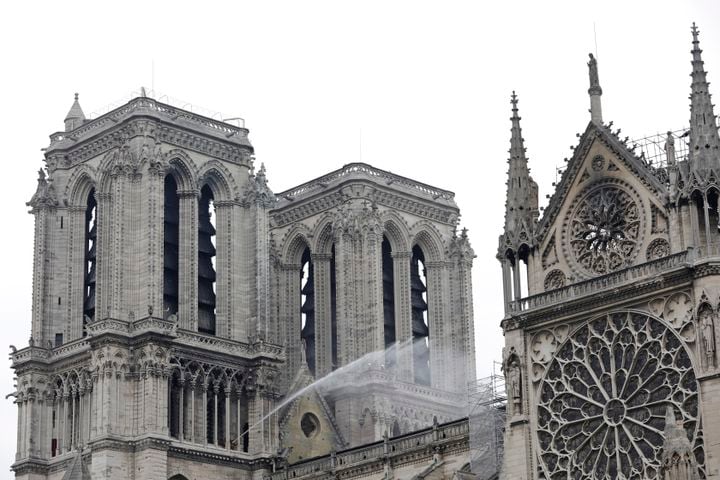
607 208
308 427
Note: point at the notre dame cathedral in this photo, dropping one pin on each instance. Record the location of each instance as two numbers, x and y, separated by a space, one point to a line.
189 323
182 312
611 355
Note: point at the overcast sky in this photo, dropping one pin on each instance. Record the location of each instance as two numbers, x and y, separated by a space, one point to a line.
421 89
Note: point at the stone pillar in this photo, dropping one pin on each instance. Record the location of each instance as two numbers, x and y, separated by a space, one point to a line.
104 253
224 262
188 304
403 314
437 281
323 314
75 293
40 266
290 318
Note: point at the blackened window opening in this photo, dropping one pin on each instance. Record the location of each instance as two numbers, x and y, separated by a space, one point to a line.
388 288
420 325
171 248
333 311
90 260
307 309
206 263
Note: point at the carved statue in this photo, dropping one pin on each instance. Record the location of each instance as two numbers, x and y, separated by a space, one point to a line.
707 335
594 79
670 148
514 381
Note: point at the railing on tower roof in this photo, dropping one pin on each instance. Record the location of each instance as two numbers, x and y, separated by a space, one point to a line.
351 169
213 121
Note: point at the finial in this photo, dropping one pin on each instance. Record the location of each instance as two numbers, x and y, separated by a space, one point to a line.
695 33
76 96
142 92
595 91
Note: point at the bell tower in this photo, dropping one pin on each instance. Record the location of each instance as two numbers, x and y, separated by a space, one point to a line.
150 316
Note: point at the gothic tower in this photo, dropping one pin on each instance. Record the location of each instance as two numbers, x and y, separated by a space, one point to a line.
149 293
610 355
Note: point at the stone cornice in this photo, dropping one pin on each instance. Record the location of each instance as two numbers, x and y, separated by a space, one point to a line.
167 124
250 351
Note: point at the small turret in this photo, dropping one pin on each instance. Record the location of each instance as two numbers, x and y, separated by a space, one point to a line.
595 92
75 117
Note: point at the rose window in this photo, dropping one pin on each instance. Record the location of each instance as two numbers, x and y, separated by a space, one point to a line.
604 230
603 401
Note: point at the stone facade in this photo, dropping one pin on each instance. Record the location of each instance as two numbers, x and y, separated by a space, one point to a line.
610 357
182 311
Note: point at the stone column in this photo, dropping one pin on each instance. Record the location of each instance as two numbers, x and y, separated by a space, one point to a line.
40 265
223 265
323 314
437 281
290 318
403 314
188 304
104 253
75 293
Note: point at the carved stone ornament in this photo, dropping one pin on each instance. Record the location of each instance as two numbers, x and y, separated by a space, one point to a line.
603 400
554 279
598 163
658 248
604 229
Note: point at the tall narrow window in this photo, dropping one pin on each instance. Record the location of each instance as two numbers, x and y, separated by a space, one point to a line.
388 288
307 310
420 325
333 311
90 260
171 248
206 263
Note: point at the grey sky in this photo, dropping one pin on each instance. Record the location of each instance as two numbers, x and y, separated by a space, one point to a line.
428 84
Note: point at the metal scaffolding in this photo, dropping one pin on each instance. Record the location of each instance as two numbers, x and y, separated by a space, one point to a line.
486 415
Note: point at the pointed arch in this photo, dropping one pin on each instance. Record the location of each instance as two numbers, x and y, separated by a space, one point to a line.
396 231
323 235
216 175
427 237
81 182
296 240
183 169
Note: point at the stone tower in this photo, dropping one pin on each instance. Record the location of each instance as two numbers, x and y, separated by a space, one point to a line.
610 356
181 310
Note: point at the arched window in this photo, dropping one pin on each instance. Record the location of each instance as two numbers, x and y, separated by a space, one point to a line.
307 310
90 260
206 262
171 242
333 311
420 322
388 289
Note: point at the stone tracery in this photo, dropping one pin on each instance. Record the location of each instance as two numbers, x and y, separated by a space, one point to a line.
604 233
603 400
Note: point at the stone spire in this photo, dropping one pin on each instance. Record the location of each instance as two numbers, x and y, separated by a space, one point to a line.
595 92
521 207
704 141
678 459
75 117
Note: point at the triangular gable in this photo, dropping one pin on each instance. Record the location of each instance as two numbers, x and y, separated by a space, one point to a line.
77 470
307 422
577 168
